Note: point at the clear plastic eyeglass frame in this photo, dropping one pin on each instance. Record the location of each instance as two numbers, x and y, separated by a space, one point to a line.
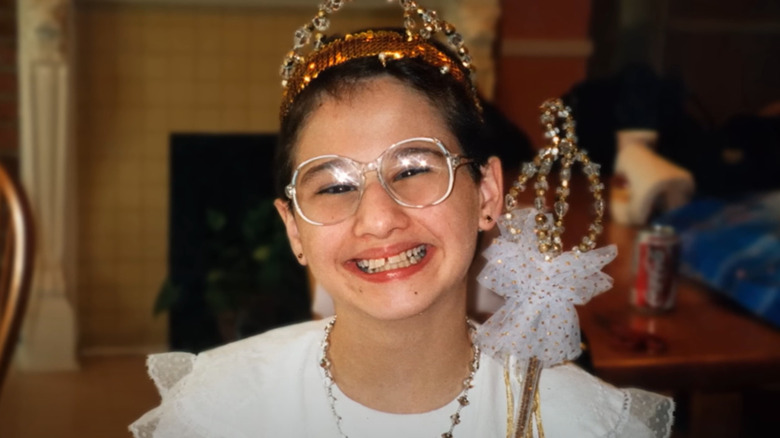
453 162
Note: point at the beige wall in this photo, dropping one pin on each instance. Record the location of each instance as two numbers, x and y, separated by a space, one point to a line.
144 72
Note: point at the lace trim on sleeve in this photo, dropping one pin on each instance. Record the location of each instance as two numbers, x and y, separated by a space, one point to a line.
649 414
144 429
167 369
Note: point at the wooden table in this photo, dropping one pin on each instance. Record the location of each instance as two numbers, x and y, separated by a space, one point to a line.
705 347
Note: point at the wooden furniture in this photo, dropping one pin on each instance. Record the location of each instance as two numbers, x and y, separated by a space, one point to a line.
706 351
16 261
705 342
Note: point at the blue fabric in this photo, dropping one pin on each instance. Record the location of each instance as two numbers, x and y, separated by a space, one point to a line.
734 247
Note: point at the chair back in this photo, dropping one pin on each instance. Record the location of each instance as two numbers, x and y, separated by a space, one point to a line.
16 263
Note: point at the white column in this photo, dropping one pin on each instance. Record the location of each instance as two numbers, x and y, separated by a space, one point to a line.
48 340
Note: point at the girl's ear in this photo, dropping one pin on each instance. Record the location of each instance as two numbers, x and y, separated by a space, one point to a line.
491 193
288 217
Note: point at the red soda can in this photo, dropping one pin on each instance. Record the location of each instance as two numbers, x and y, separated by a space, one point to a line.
656 256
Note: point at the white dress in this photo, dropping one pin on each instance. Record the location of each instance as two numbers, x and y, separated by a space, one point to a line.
271 385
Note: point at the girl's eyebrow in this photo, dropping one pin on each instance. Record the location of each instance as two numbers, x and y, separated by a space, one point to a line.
330 164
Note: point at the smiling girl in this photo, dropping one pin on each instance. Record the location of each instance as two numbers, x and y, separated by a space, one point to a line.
384 189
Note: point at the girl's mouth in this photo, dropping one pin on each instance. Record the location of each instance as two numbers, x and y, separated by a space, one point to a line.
402 260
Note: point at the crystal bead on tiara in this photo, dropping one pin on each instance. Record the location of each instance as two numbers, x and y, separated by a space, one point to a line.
420 25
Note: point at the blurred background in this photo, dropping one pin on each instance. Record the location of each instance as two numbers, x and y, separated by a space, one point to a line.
130 124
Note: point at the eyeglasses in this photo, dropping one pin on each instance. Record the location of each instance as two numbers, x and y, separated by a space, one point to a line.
417 172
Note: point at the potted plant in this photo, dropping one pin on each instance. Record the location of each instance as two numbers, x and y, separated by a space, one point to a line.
252 281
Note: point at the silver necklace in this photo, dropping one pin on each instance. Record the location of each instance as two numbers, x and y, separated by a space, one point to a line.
463 398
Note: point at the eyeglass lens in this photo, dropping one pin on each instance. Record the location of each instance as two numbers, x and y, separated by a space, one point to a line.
415 174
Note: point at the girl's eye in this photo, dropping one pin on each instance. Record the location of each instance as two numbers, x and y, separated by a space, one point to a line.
410 172
337 189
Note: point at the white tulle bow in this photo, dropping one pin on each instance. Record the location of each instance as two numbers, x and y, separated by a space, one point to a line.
538 318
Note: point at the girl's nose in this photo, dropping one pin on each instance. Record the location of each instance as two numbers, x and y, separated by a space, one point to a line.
378 214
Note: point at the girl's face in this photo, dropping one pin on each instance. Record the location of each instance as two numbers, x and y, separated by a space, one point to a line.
441 238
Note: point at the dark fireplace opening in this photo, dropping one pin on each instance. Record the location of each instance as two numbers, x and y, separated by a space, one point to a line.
231 273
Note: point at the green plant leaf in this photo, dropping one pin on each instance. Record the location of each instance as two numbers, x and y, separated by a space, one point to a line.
258 222
218 300
216 220
168 295
262 253
214 275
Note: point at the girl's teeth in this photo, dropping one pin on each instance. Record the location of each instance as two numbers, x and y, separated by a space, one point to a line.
401 260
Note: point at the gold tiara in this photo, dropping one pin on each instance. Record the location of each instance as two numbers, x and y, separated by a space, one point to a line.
558 124
299 69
